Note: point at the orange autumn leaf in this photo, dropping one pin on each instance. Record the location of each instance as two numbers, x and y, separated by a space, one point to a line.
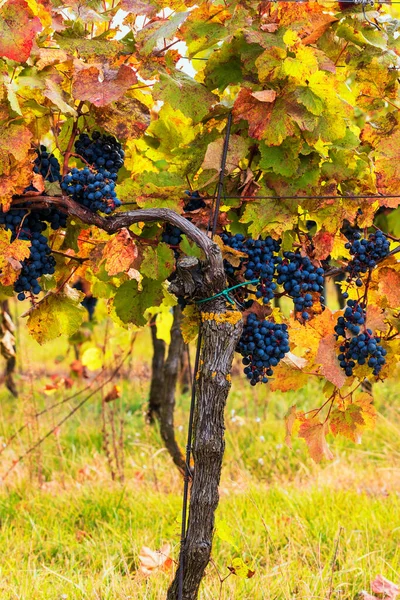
314 433
290 419
389 284
120 252
113 394
327 358
152 561
11 256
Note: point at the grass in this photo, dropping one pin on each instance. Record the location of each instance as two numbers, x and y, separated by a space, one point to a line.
67 531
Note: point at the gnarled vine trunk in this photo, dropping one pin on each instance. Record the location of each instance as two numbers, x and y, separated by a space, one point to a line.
221 328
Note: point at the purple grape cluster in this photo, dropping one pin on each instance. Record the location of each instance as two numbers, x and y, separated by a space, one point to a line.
103 152
262 344
354 316
300 279
258 264
29 226
48 167
366 253
94 190
361 349
171 235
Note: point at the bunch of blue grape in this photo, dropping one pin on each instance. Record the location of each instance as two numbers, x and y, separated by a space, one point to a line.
48 167
366 252
262 344
94 190
103 152
361 349
354 316
29 226
301 280
195 201
171 235
259 263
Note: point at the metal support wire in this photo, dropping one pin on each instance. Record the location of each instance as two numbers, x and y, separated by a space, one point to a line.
188 474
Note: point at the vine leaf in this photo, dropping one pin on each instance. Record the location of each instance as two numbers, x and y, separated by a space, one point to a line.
127 118
130 303
237 150
138 7
158 262
190 323
11 256
120 253
314 433
241 569
347 422
381 585
183 93
327 358
268 217
55 315
101 85
256 112
16 139
323 243
18 27
389 285
92 358
151 561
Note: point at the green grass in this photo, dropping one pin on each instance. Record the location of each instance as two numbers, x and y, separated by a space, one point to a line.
68 532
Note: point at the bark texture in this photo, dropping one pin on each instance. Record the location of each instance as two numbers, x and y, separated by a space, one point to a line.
157 374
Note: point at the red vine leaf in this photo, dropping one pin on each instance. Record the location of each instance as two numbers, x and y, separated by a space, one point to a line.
101 85
381 585
323 244
256 112
18 27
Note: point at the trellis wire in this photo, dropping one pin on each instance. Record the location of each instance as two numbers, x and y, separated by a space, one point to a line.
322 197
181 567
